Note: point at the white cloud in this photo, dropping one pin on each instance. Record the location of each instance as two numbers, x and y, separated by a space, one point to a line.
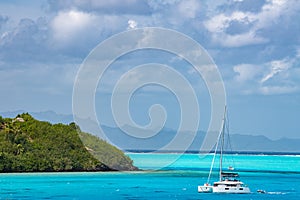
132 24
26 41
221 22
256 25
273 90
189 8
69 24
77 32
274 10
276 67
238 40
177 14
270 78
246 72
136 7
219 25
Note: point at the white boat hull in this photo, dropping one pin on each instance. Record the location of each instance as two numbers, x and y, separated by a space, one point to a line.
231 190
224 189
205 189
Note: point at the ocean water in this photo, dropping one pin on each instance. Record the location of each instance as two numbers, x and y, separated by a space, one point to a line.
279 176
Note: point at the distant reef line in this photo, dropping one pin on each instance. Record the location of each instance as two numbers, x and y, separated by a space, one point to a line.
128 151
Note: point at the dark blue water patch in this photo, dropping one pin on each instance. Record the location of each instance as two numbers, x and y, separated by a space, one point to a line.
23 197
60 196
159 191
134 198
138 187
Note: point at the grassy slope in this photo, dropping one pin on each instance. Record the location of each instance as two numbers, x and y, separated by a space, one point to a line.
106 153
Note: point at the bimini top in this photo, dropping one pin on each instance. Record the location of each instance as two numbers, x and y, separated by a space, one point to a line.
229 174
225 176
229 183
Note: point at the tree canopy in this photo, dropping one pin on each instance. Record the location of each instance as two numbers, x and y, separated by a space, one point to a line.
29 145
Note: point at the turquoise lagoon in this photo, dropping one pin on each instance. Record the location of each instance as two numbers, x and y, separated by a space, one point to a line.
165 176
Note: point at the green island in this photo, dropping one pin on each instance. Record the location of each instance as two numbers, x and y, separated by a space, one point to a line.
29 145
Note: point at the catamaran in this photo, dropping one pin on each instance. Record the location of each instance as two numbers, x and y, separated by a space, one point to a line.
229 182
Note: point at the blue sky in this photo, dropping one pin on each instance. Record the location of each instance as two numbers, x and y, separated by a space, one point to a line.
255 44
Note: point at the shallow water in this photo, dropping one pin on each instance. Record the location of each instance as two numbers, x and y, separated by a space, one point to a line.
178 181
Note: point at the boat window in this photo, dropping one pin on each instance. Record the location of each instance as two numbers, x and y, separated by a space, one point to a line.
241 188
226 188
231 185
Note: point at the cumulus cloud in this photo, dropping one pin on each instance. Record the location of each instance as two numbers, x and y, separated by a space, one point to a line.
189 8
221 25
276 67
79 23
246 72
238 40
70 24
74 27
251 27
274 77
221 22
177 14
77 32
136 7
24 41
132 24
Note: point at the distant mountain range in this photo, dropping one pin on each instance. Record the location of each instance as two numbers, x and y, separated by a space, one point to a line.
239 142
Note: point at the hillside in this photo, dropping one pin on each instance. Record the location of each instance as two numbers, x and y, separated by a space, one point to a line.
29 145
106 153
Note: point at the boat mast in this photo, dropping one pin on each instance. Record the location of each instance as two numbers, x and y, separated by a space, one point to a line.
222 143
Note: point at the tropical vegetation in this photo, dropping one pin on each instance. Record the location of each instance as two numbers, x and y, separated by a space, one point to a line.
29 145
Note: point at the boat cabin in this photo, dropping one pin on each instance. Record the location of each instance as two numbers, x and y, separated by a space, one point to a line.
225 176
229 180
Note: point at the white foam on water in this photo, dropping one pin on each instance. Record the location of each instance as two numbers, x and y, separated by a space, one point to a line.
276 192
